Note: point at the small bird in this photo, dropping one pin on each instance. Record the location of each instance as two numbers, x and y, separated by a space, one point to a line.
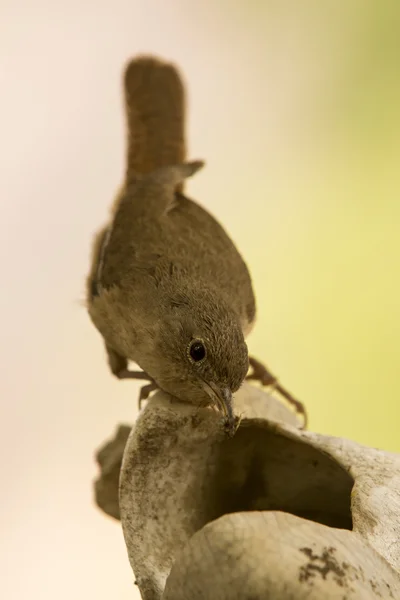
167 288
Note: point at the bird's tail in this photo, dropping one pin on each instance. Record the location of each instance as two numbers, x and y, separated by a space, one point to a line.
155 113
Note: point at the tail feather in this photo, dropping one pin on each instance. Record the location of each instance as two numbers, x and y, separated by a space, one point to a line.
155 113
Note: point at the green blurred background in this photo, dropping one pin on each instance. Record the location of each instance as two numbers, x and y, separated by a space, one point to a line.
335 321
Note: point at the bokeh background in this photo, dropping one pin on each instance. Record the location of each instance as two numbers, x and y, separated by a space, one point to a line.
295 107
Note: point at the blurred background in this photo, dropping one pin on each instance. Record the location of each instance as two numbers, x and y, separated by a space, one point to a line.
295 108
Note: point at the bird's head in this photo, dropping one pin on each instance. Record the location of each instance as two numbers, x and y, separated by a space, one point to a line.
199 354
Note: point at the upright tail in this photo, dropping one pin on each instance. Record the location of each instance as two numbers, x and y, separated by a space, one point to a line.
155 113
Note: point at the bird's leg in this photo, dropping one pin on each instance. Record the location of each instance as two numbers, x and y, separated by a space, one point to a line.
260 373
119 367
127 374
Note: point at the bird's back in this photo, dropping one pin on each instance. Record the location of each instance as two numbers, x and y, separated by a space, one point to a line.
186 238
191 239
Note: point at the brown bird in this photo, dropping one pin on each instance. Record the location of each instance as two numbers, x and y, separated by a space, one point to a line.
168 289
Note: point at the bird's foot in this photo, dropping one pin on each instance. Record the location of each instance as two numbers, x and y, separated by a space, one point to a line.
266 378
146 390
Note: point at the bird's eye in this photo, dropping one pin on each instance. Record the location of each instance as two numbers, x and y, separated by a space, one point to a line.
197 351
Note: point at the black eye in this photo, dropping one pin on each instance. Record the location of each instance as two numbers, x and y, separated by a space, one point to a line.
197 351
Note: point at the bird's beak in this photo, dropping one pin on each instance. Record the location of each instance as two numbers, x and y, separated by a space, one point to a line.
222 397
